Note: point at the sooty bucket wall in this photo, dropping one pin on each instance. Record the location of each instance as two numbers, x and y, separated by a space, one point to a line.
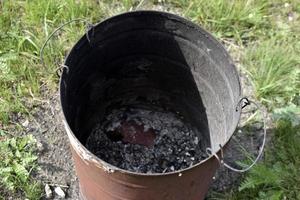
141 57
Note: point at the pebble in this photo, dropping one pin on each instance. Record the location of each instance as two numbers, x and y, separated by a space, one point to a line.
60 192
39 146
25 123
48 191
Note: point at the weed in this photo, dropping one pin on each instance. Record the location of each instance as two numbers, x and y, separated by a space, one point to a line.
278 177
17 161
291 112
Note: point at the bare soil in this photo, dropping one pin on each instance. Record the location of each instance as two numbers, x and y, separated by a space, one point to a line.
55 160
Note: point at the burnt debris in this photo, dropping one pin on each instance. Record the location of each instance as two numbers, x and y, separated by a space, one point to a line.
146 141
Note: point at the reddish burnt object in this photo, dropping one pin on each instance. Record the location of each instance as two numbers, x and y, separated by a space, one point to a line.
134 133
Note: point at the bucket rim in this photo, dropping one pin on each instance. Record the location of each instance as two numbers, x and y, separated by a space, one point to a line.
87 155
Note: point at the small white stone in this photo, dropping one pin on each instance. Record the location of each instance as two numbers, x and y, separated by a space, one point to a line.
25 123
60 192
48 191
180 174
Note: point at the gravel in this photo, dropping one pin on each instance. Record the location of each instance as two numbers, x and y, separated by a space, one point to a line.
145 141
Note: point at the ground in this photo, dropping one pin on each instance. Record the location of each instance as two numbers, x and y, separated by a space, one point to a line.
262 36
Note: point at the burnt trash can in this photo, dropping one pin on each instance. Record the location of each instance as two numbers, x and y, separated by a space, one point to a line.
149 55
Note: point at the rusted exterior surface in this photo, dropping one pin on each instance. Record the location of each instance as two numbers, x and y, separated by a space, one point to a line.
97 184
101 181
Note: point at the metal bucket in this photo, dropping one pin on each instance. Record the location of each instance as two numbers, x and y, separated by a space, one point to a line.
142 54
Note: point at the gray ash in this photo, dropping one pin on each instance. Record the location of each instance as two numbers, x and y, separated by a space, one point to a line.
145 141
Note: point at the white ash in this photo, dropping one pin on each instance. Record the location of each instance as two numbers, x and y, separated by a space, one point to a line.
176 146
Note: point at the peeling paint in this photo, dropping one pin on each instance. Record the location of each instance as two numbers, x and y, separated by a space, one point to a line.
86 156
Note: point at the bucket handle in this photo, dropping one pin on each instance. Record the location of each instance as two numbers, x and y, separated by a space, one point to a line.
89 26
242 104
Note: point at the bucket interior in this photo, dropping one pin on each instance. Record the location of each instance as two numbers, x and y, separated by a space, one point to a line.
152 60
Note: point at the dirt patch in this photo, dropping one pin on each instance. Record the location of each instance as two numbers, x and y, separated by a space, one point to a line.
55 160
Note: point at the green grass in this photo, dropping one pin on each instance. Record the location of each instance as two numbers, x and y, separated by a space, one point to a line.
274 68
265 31
278 177
18 161
21 72
24 26
240 19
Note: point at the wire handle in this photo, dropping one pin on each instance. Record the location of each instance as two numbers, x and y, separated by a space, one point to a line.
89 26
245 102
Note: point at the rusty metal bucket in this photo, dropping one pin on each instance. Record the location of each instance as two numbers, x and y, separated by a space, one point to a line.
193 69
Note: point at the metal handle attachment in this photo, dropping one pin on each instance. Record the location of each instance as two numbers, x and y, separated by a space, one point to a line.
242 104
89 26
